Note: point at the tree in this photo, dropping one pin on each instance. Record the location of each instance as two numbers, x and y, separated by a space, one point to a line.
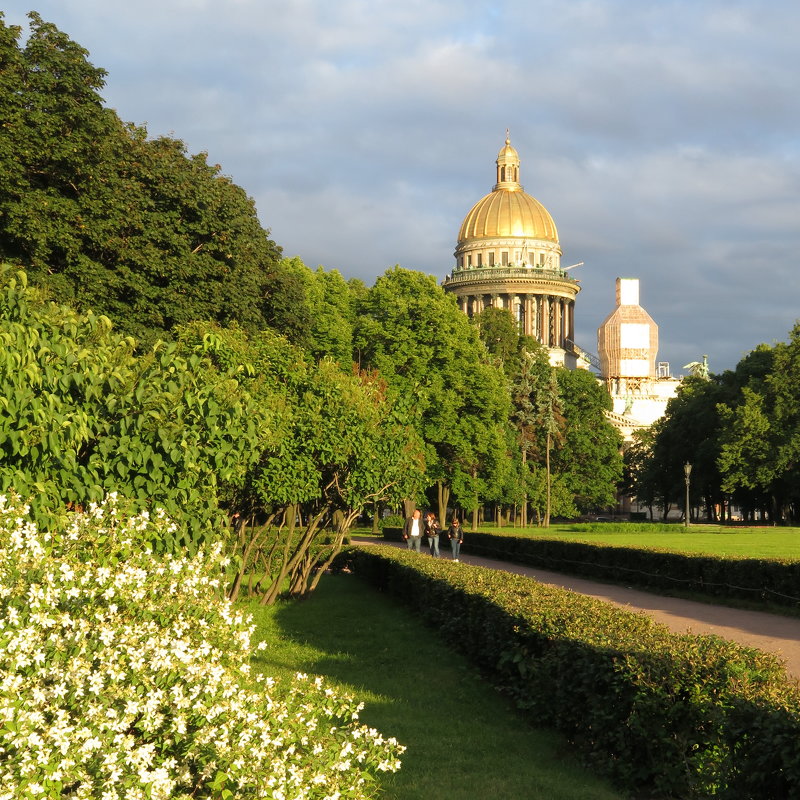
332 445
534 372
109 220
499 332
330 311
747 448
551 422
82 416
590 459
414 334
761 431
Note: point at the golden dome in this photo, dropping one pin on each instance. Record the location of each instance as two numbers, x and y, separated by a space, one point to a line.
505 212
508 211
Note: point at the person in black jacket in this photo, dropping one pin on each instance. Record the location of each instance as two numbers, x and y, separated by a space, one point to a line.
433 529
456 535
412 531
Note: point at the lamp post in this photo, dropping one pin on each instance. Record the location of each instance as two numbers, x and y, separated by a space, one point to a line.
687 471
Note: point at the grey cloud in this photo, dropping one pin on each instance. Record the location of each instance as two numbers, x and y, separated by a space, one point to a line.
661 136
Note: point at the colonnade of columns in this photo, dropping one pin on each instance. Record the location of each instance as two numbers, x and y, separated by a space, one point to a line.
548 318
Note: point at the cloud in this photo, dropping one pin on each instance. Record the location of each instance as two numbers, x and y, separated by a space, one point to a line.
660 136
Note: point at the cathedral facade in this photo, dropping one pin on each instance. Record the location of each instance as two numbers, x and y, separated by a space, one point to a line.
508 256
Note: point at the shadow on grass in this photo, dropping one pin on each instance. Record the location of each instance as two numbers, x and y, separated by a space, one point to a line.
464 740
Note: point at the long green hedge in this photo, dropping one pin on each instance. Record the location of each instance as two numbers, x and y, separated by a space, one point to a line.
775 581
662 714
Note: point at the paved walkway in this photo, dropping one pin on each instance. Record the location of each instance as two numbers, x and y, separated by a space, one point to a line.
770 632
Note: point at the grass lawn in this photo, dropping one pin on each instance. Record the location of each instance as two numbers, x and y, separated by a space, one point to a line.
464 740
715 540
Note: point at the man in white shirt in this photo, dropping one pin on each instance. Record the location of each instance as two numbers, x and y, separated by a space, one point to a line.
412 531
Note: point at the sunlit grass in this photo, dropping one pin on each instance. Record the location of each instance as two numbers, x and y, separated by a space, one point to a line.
464 740
714 540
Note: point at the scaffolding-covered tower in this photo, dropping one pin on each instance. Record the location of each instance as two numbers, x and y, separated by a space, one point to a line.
627 341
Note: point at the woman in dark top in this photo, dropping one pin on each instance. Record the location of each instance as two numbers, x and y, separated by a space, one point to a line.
456 534
433 529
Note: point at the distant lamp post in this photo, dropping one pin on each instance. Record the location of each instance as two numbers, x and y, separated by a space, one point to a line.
687 471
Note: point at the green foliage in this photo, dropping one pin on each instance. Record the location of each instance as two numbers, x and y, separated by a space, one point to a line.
590 461
333 444
664 715
413 333
499 333
125 674
106 218
327 312
391 521
739 430
82 416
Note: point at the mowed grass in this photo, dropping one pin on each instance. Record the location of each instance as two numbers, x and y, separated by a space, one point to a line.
464 740
713 540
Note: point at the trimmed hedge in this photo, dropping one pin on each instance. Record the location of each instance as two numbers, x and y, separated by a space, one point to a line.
670 715
392 533
756 579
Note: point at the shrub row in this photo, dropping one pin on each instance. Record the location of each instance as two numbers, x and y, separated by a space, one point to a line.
673 716
756 579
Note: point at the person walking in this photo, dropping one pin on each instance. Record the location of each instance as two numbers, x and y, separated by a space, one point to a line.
456 535
433 529
412 531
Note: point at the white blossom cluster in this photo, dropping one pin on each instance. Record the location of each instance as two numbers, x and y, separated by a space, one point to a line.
125 675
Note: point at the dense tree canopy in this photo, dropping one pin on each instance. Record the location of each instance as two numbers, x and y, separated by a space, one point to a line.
590 460
740 431
413 333
332 445
81 415
108 219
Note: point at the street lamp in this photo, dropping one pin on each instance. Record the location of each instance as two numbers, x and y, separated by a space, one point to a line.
687 471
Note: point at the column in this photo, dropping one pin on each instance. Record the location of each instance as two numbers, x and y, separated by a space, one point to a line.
570 311
545 321
518 309
559 322
529 317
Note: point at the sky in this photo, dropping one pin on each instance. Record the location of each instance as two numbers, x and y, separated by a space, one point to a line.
662 137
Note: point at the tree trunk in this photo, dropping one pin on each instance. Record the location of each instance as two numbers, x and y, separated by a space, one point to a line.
443 491
546 523
524 509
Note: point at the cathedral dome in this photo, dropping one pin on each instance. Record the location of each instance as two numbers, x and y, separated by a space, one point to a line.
508 211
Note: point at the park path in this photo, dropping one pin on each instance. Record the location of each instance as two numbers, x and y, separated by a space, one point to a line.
770 632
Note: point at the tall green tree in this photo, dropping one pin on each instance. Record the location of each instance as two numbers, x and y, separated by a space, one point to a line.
533 374
590 459
761 431
330 311
332 446
108 219
414 334
499 332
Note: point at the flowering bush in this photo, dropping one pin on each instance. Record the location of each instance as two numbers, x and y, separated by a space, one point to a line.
125 676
